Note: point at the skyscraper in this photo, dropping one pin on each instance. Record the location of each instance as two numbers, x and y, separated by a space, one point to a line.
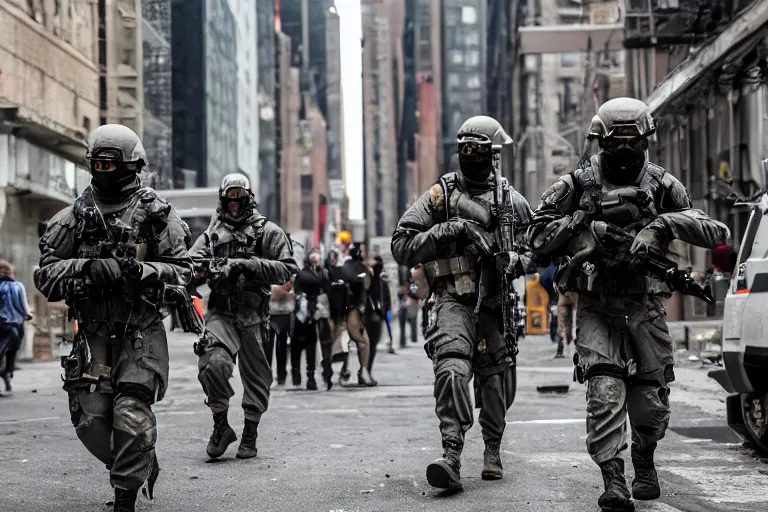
204 51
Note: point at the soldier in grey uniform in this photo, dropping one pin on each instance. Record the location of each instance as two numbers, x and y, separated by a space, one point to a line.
450 230
107 255
253 254
624 351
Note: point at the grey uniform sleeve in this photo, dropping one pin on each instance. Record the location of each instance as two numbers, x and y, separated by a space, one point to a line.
172 264
678 220
417 238
550 226
58 265
523 220
200 248
276 264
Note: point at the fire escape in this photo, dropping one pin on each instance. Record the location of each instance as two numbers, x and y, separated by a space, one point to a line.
662 23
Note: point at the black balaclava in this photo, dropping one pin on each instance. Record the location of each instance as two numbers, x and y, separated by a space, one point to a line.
477 170
623 166
115 186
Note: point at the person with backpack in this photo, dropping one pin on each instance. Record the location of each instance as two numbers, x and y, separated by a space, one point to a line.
13 313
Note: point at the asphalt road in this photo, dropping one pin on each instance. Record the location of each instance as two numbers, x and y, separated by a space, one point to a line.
367 449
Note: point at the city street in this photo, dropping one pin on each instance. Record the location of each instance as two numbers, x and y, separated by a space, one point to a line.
366 449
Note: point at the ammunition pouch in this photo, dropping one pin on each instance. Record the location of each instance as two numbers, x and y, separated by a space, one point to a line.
460 268
80 374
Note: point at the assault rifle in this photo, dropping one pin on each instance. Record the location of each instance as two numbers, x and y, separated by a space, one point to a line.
662 268
506 241
178 298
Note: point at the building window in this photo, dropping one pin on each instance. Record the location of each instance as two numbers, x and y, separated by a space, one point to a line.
468 15
307 217
454 80
473 58
570 60
473 82
471 38
457 57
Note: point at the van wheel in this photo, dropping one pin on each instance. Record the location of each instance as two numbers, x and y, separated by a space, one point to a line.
755 409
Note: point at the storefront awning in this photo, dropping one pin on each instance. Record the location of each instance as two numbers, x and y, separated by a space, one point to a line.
570 38
68 142
747 29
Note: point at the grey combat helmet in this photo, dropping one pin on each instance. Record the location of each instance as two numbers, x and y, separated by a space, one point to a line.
235 189
115 156
622 128
622 117
483 129
478 138
117 143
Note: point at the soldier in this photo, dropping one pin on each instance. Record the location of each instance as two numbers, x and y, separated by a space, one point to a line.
624 351
450 230
242 254
107 255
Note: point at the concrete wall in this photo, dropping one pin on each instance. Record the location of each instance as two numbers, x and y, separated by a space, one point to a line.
50 66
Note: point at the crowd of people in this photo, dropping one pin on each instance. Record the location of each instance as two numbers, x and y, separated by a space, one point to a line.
333 302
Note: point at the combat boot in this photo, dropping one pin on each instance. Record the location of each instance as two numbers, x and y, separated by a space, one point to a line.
645 486
222 436
247 448
125 500
296 376
311 383
445 472
364 378
492 468
616 497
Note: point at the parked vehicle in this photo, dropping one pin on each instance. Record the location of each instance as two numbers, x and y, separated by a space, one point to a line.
745 334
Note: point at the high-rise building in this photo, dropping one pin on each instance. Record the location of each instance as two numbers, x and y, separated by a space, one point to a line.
158 102
464 44
379 119
247 91
269 178
205 94
121 63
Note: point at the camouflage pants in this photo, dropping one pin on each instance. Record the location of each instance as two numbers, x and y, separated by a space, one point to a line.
460 347
230 340
117 424
625 353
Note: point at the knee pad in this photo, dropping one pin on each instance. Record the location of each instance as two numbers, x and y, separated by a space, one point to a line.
134 424
94 428
605 390
215 374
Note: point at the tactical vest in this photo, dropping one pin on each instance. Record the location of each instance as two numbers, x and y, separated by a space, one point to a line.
628 207
100 233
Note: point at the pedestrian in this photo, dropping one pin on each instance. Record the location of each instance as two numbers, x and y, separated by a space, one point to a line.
375 316
282 303
450 230
14 311
107 255
309 284
349 297
602 221
245 254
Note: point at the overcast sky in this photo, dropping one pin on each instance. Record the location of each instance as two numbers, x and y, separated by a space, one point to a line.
351 83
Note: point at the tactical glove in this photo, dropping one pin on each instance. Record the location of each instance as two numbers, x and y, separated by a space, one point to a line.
507 262
481 241
231 268
449 231
104 271
650 238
